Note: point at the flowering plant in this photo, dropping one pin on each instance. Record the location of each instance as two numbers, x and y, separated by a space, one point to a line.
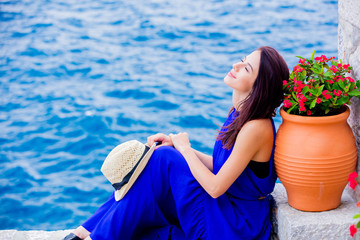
319 87
353 182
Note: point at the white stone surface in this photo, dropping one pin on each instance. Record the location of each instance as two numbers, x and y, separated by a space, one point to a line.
349 52
293 224
33 235
349 10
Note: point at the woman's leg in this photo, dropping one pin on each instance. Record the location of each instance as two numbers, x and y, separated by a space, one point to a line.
84 230
81 232
148 205
165 194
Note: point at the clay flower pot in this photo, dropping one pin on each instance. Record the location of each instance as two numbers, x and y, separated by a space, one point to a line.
313 159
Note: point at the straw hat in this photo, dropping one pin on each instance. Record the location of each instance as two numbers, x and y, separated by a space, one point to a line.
124 164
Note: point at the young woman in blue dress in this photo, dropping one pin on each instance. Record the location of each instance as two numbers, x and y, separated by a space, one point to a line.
185 194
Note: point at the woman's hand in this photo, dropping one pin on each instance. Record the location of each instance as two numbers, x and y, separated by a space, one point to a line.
159 137
180 141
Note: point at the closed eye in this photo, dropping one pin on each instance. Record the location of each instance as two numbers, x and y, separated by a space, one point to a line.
242 60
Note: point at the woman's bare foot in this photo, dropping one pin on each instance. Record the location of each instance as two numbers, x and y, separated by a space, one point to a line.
81 232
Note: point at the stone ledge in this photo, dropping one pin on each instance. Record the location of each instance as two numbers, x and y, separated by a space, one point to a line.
291 224
33 235
288 223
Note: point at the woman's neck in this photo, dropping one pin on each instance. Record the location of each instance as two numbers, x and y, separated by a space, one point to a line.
238 98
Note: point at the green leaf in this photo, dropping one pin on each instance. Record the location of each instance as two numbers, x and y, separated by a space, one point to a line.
312 55
292 107
358 84
341 84
357 216
305 90
303 74
320 90
328 74
312 104
313 91
343 100
347 87
358 224
294 96
354 93
316 70
327 111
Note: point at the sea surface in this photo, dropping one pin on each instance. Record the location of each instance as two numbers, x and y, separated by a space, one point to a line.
79 77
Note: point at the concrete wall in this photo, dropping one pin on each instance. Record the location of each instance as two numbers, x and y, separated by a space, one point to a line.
349 52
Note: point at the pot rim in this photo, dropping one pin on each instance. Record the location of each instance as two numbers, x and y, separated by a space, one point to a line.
315 120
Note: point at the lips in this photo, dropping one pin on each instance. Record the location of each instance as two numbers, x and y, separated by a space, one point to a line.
231 75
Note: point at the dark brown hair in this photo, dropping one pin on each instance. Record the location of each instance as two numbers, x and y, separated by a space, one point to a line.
266 95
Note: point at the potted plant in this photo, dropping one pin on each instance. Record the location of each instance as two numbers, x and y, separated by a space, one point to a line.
315 147
353 182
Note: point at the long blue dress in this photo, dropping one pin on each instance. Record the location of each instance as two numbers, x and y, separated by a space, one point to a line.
166 202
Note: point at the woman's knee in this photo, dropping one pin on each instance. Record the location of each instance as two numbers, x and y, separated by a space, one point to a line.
166 150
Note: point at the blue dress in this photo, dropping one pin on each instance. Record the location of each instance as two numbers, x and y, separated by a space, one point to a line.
166 202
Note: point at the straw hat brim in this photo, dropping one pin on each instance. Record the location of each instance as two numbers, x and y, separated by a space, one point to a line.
119 194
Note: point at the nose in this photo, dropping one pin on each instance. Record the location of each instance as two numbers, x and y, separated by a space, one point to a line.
237 66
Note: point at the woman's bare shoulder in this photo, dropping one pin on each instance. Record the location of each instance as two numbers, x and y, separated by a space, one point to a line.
259 131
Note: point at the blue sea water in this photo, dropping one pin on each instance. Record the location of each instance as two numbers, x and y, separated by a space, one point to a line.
79 77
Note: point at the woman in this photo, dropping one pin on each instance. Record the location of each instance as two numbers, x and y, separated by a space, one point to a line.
185 194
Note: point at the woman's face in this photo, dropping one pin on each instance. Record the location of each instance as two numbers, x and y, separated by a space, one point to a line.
243 74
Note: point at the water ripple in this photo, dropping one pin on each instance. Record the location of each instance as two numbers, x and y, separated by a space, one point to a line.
80 77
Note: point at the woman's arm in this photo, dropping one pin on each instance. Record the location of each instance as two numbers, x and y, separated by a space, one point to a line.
207 160
166 141
254 141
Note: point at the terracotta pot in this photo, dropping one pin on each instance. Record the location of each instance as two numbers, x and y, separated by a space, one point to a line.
313 159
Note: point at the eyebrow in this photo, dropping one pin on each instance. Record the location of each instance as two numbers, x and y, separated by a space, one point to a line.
252 69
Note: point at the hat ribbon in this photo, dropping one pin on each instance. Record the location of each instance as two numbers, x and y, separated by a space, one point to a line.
126 179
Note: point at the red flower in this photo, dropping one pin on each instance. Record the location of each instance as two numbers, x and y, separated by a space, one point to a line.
338 93
346 66
352 176
322 58
353 230
287 103
350 79
297 68
353 183
330 81
326 94
337 78
302 98
339 65
302 109
302 61
358 204
308 112
284 82
318 100
334 69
